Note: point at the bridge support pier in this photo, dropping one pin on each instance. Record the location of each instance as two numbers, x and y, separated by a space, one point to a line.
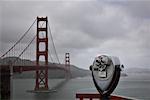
5 84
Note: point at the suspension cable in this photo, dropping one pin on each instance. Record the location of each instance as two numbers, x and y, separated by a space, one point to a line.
25 48
50 55
53 43
19 39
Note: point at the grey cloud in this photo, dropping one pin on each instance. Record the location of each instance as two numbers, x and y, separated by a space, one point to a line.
84 29
136 8
139 9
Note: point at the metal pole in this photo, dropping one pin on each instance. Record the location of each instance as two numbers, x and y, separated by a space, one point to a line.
105 97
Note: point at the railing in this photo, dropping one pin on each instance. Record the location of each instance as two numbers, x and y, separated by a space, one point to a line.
90 96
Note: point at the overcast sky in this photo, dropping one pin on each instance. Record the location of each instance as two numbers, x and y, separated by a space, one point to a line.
83 28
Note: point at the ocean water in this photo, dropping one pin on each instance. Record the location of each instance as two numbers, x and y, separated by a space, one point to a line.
134 85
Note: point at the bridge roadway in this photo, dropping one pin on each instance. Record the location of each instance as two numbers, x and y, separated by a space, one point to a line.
23 68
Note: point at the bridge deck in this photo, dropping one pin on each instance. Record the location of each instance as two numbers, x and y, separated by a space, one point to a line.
22 68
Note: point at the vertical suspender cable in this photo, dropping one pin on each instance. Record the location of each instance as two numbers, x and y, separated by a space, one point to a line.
25 49
19 39
53 43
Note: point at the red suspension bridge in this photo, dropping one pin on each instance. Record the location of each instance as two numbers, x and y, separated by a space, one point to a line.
13 61
43 32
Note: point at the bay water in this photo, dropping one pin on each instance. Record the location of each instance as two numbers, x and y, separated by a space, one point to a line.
134 85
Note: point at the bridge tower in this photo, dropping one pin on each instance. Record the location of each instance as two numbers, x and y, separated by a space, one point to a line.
67 59
67 64
42 42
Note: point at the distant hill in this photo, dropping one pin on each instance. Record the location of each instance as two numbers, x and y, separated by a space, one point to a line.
75 71
18 61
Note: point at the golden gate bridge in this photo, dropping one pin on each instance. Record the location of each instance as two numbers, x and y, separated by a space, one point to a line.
43 31
42 50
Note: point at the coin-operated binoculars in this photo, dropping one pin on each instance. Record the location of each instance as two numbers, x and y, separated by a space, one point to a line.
106 74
